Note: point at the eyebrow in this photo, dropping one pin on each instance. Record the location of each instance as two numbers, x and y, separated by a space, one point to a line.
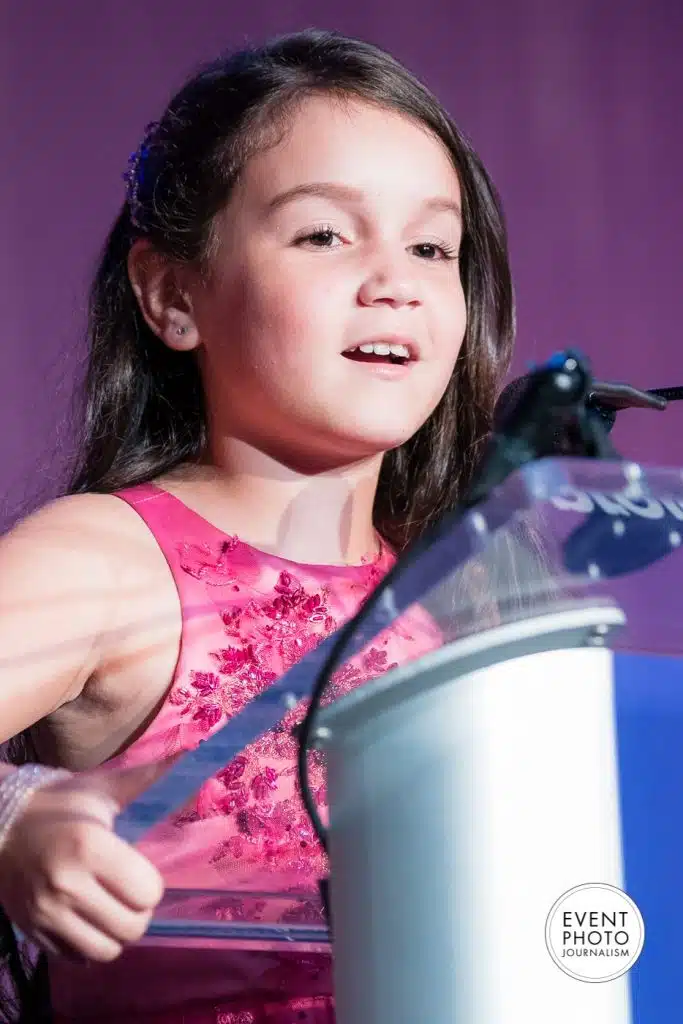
346 195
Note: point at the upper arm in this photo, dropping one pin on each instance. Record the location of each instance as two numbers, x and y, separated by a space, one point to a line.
57 586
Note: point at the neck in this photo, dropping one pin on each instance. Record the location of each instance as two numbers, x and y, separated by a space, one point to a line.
322 517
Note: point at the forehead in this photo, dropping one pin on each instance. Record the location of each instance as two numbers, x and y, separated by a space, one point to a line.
369 148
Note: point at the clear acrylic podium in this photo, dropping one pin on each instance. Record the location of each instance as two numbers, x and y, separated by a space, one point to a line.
469 789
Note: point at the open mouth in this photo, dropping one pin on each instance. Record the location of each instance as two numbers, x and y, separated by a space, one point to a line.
380 352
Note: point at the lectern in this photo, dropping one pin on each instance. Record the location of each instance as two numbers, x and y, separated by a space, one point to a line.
469 789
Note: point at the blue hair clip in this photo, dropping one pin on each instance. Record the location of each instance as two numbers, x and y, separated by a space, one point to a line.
134 172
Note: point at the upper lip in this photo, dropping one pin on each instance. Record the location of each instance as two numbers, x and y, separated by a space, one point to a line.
389 339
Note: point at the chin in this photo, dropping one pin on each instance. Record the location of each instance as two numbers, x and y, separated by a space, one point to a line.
378 442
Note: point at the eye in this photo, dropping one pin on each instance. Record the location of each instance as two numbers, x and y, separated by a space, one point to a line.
321 238
433 251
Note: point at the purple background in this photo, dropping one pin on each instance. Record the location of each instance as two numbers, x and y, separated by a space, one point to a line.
574 105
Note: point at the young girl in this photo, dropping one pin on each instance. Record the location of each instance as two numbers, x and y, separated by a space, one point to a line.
298 331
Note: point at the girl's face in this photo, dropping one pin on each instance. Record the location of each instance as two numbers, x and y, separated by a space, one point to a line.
342 235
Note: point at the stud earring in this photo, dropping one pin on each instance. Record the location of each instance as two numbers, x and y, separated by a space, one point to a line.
181 330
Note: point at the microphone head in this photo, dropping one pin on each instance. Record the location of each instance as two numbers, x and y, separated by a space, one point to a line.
598 404
511 397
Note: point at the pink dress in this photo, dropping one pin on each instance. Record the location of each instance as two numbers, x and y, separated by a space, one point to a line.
247 616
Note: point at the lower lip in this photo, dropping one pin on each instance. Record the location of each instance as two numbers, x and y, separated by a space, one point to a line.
386 371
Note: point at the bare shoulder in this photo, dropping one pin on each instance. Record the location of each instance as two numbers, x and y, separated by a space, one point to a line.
75 533
90 550
63 571
79 518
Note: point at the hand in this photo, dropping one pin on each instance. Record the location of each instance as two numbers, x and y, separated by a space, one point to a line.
66 880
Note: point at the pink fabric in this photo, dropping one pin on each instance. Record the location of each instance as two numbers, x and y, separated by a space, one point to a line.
247 617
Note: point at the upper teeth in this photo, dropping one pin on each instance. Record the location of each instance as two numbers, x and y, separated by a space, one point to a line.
380 348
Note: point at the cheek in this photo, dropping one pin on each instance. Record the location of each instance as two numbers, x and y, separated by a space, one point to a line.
282 315
449 325
271 355
251 322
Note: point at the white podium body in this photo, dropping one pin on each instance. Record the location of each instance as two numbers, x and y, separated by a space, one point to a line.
466 796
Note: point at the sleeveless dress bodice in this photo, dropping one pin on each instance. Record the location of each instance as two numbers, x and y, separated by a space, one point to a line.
247 617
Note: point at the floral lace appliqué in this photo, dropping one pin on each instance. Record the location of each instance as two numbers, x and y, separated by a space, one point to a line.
268 620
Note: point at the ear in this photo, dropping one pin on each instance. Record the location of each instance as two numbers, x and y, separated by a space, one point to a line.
160 287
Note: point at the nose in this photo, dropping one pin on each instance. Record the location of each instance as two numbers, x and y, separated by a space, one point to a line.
390 281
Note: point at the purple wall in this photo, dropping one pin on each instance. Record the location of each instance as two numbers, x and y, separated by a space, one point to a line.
574 104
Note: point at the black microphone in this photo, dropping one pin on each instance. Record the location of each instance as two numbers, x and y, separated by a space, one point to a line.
603 399
621 534
532 417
